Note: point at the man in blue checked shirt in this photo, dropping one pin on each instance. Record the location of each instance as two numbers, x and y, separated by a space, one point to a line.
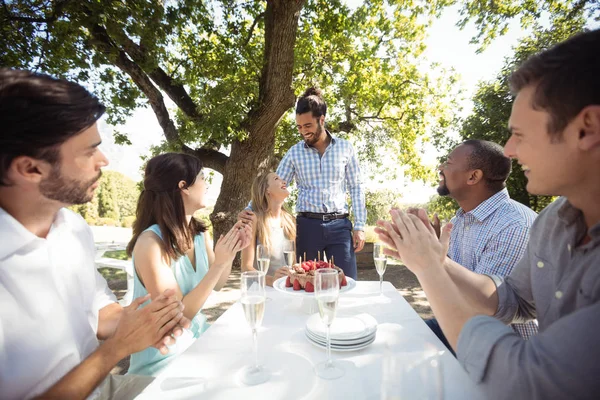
490 230
325 168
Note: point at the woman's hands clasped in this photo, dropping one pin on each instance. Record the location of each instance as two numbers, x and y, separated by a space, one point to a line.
238 237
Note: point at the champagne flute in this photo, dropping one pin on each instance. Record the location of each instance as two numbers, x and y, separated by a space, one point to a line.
380 263
327 290
289 253
253 302
263 258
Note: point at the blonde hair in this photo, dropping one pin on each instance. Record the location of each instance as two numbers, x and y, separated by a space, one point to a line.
260 206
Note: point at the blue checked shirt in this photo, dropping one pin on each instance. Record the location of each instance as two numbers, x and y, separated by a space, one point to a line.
323 181
491 239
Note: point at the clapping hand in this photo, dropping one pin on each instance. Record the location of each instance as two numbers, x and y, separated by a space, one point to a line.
151 325
238 237
413 240
435 223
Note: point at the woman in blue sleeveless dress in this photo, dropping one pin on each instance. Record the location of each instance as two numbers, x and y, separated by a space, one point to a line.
172 250
273 225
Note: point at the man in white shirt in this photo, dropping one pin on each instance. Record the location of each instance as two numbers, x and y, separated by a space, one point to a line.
55 305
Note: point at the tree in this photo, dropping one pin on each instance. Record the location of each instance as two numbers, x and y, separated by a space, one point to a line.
232 70
115 198
493 17
493 102
379 203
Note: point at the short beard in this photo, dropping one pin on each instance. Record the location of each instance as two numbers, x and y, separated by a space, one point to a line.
65 190
316 136
443 190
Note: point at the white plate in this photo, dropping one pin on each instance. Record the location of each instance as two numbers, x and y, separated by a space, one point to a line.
340 343
343 328
279 285
342 348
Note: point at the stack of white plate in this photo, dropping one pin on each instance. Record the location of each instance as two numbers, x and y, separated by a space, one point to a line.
347 333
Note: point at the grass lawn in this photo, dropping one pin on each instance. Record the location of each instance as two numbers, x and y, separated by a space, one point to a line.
113 274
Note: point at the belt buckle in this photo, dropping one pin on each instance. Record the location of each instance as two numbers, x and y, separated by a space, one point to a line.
326 218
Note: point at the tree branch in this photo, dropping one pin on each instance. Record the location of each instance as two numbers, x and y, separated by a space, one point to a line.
56 13
258 17
106 46
170 86
212 159
103 42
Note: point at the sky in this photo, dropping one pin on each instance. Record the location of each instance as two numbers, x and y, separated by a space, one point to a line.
446 44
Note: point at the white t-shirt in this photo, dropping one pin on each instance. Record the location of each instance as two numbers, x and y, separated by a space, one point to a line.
50 295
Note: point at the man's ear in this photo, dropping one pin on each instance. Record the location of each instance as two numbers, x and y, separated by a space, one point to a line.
322 120
589 133
28 169
475 177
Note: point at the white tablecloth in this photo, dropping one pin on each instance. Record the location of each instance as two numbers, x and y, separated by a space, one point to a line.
226 347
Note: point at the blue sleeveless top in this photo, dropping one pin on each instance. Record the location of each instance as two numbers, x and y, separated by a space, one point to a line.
150 361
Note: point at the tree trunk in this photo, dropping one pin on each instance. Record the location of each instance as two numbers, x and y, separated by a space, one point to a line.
275 98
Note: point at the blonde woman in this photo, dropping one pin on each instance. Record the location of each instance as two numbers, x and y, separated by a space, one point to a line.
273 224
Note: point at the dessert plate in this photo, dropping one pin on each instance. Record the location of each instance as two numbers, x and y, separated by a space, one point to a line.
343 328
342 348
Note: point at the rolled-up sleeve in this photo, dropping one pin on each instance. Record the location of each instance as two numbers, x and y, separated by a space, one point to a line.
558 363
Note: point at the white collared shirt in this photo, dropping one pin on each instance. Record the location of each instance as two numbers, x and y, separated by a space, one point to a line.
50 295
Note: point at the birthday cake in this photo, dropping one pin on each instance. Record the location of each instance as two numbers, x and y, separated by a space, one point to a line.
301 276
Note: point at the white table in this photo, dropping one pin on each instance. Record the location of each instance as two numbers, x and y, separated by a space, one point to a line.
226 347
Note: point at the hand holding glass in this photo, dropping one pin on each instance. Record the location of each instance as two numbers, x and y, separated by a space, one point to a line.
327 290
380 263
253 302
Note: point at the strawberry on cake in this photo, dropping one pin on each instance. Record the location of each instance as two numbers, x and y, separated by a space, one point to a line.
302 275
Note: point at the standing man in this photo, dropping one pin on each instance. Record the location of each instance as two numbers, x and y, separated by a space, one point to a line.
555 135
325 169
55 305
490 230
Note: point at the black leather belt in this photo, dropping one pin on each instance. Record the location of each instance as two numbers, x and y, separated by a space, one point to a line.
323 216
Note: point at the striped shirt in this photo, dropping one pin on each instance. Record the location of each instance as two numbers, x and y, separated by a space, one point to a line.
324 180
491 239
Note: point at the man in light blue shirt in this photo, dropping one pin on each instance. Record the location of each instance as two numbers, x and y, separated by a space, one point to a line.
325 168
490 230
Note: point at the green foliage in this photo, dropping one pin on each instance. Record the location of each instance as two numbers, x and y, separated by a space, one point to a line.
366 62
370 235
116 254
113 274
444 206
107 198
127 222
492 18
106 222
115 200
379 203
366 59
493 103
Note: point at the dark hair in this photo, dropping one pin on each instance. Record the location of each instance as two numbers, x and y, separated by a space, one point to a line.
311 101
161 203
490 159
38 113
566 76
